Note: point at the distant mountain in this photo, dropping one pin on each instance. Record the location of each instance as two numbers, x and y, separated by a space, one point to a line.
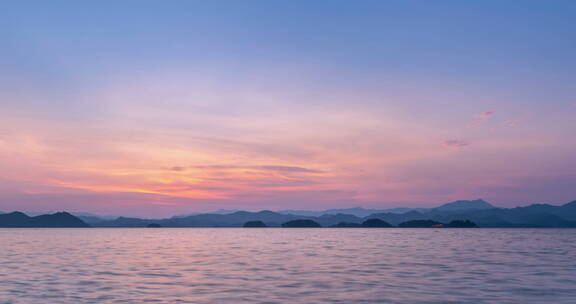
375 223
86 214
356 211
92 219
56 220
127 222
301 224
480 212
363 212
303 212
435 224
254 224
465 205
219 211
419 224
537 215
401 210
395 219
236 219
88 218
332 219
570 206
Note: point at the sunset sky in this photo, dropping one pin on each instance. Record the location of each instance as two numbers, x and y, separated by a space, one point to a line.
156 108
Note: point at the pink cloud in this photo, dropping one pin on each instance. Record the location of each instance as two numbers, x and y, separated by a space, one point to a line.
486 115
455 143
515 121
481 118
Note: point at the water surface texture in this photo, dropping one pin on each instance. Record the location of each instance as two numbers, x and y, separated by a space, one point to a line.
287 265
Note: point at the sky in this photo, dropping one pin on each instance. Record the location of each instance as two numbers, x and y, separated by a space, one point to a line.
156 108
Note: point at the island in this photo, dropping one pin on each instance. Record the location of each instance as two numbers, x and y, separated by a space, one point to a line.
254 224
301 224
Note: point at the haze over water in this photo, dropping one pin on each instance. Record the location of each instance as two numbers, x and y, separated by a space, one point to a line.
215 265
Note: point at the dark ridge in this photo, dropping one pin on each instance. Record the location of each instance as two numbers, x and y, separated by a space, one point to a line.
15 219
254 224
420 224
347 225
56 220
301 224
461 224
479 212
376 223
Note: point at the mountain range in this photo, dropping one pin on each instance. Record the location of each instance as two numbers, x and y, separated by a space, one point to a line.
479 211
362 212
56 220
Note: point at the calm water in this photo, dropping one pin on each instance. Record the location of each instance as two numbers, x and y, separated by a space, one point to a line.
287 266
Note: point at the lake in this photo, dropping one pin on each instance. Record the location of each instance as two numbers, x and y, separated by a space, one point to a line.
273 265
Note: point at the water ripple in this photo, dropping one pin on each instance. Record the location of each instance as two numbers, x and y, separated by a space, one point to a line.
287 266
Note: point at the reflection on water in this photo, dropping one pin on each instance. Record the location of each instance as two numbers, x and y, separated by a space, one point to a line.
287 265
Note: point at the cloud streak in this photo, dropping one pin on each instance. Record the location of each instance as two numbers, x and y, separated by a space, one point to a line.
486 115
263 168
481 118
455 143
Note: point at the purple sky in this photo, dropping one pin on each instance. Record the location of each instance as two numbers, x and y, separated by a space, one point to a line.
152 108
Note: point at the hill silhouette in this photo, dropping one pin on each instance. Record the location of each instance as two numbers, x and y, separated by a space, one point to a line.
375 223
301 224
56 220
465 205
363 212
461 224
254 224
419 224
347 225
536 215
479 212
